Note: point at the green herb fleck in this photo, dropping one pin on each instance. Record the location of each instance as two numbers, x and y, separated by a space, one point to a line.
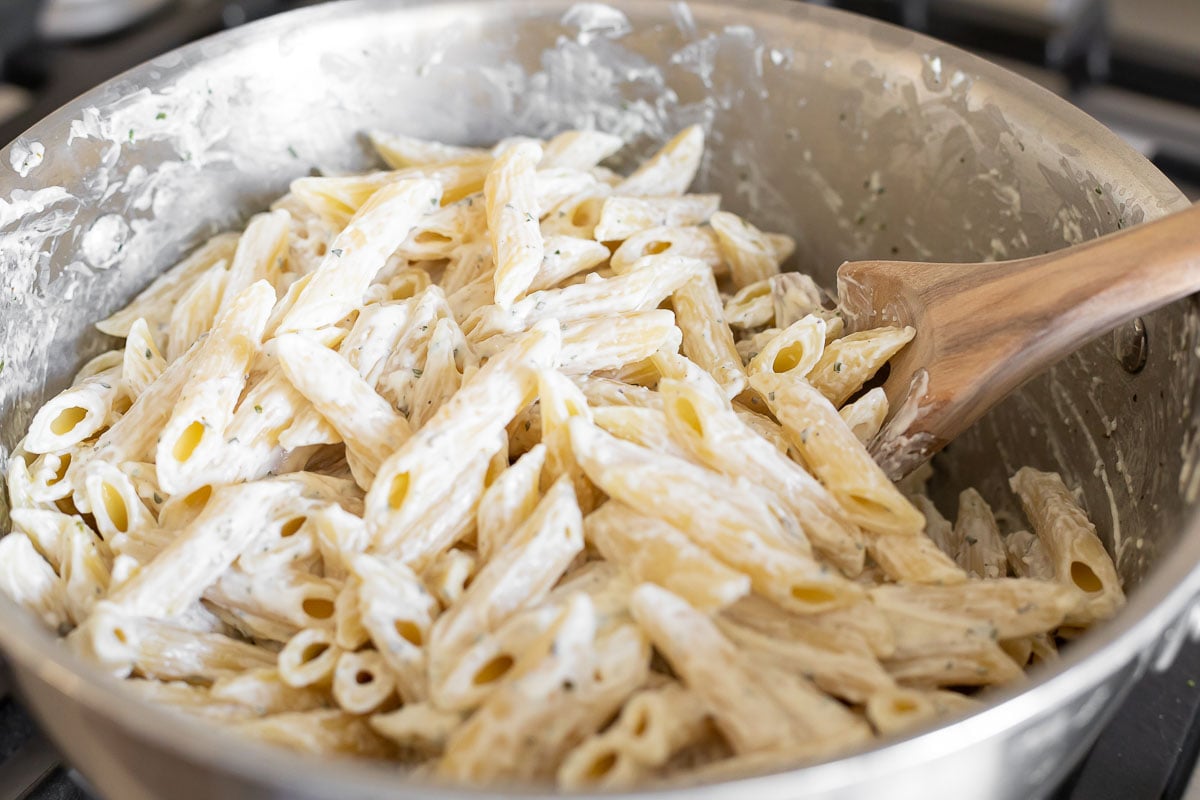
972 541
837 366
1 365
418 372
292 152
157 497
337 252
558 252
1099 190
771 396
258 409
528 217
161 115
148 353
1191 683
131 134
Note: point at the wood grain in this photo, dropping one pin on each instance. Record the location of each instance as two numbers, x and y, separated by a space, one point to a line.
984 329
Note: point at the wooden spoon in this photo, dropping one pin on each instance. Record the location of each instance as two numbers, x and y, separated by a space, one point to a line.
984 329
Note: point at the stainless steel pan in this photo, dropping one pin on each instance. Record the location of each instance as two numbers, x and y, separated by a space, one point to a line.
858 138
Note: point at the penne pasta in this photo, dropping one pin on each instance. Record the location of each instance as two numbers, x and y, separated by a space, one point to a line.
509 470
412 480
850 676
417 727
1027 556
400 151
371 429
447 577
654 725
596 345
361 682
670 171
194 314
837 458
652 551
706 429
913 559
794 351
689 242
259 255
642 289
142 363
193 433
849 362
981 551
730 519
753 714
794 296
157 301
1069 538
520 574
579 150
397 612
565 257
752 255
508 502
707 339
524 726
751 307
864 417
512 216
324 732
30 582
74 415
376 230
264 691
622 216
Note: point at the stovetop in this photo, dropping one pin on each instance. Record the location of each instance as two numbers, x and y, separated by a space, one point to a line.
1132 64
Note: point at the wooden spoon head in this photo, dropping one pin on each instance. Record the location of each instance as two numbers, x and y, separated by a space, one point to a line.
984 329
873 294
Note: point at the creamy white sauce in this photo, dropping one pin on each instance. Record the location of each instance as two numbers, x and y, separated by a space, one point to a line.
25 157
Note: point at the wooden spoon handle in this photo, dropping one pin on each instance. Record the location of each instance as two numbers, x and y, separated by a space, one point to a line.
990 327
1047 306
1073 295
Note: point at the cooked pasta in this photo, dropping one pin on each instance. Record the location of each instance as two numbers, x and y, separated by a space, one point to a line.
510 469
